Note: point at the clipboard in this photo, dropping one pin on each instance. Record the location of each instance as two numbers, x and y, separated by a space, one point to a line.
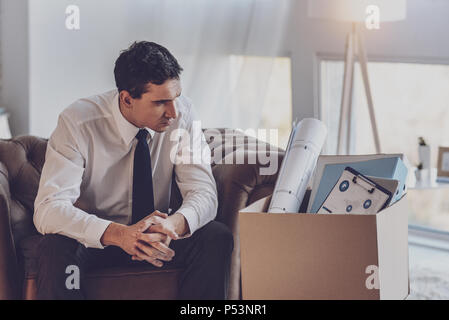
355 193
391 185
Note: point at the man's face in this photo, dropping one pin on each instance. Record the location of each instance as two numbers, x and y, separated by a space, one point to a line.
154 109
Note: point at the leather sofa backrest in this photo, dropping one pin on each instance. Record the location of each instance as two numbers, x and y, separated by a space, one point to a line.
22 159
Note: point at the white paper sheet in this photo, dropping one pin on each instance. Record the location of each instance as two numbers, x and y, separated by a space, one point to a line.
305 144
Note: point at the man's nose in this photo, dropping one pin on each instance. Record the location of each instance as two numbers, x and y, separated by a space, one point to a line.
170 112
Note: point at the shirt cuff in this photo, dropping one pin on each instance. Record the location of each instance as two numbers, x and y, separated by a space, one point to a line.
192 220
94 232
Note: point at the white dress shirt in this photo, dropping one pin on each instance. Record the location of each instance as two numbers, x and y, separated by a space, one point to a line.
87 178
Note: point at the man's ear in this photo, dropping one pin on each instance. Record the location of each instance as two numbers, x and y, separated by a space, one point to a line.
125 98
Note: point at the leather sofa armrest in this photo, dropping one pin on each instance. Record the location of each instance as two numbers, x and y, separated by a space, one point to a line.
239 185
9 280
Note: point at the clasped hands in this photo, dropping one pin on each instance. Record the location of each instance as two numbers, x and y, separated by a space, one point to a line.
149 239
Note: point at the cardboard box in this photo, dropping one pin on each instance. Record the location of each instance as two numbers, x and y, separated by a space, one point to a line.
324 256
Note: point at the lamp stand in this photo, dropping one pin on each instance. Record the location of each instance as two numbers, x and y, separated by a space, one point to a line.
354 48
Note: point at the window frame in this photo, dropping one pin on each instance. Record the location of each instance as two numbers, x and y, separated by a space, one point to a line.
439 238
327 56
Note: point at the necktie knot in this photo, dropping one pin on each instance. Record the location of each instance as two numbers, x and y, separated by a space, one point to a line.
142 135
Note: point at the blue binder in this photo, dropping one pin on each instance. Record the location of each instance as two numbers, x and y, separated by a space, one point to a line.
392 168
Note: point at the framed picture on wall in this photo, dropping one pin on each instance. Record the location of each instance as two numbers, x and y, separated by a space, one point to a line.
443 164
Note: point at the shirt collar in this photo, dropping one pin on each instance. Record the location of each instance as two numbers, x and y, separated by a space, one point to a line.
126 129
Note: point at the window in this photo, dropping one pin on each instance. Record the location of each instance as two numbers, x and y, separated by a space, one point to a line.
241 92
411 100
269 77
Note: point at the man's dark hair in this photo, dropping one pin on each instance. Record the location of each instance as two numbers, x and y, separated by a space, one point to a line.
144 62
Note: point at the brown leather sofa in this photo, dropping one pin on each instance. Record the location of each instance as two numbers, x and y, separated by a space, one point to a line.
21 161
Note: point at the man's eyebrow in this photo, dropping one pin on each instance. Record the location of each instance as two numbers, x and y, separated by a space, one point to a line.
166 100
162 101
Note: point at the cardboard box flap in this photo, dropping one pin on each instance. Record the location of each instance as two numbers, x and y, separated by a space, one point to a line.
262 205
392 243
259 206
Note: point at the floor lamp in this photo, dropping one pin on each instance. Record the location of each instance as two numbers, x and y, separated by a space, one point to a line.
359 12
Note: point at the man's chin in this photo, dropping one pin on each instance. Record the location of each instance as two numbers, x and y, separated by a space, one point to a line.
161 129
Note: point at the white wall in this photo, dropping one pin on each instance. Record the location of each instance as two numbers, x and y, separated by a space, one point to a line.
66 65
14 63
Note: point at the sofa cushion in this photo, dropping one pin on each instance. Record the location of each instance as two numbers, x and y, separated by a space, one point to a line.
123 282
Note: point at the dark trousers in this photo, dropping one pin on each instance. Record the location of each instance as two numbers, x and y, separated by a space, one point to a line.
204 258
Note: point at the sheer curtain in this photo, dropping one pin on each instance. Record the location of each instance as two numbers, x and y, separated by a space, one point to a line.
213 40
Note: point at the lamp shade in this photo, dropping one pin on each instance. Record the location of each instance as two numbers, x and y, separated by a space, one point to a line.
355 10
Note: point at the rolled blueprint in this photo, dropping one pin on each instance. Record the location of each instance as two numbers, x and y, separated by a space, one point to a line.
304 147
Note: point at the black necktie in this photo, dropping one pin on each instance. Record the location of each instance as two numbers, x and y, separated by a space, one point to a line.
143 198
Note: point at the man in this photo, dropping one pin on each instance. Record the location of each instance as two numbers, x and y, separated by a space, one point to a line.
104 192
